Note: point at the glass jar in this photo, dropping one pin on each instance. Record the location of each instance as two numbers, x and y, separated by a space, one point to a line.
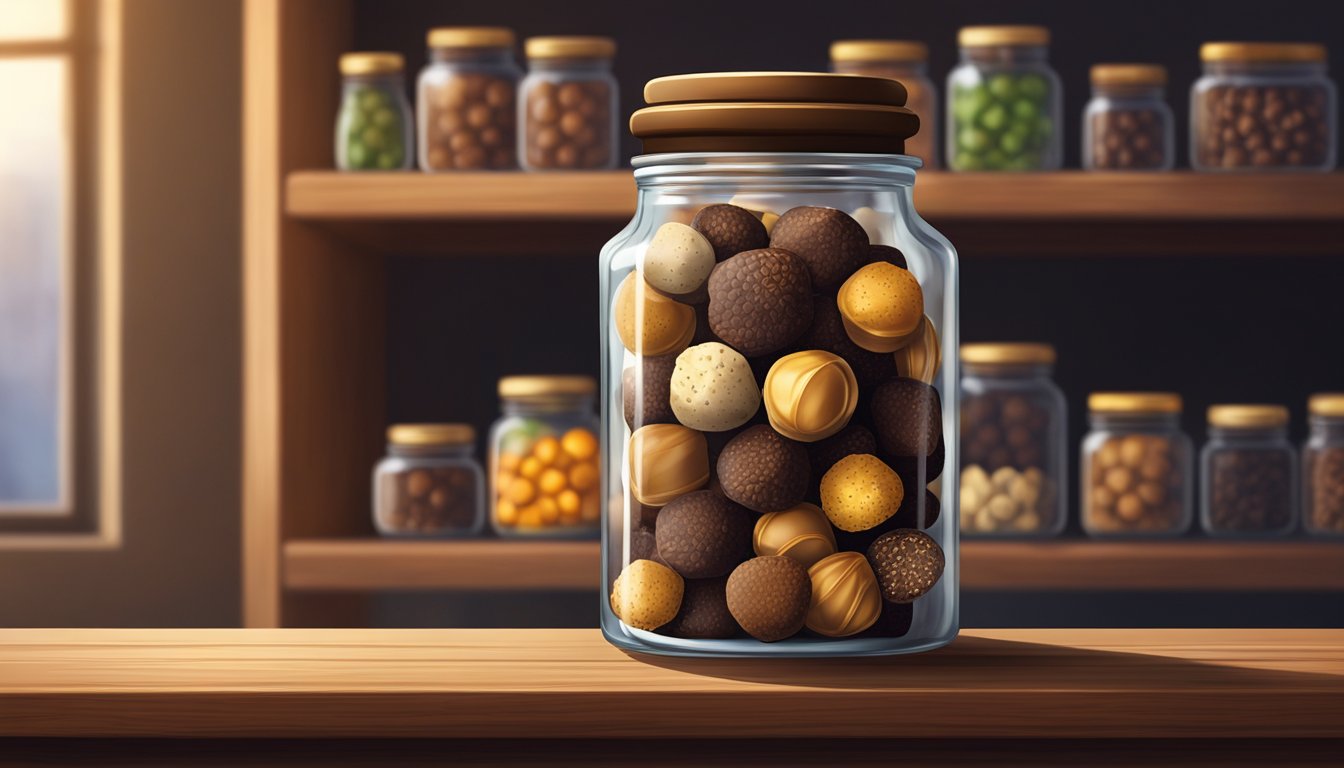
466 100
373 126
429 484
1004 102
1323 466
1248 472
906 61
1127 125
1014 473
1136 470
544 458
1262 106
567 105
767 491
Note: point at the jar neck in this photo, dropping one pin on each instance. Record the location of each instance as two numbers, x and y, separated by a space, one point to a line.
1326 427
586 66
384 79
1248 434
1273 68
751 171
1136 92
1142 421
1005 54
1014 371
538 406
428 451
895 67
502 56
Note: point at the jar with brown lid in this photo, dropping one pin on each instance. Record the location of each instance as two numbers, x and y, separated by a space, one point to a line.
429 484
466 100
567 104
1136 471
1248 472
1127 125
1323 466
906 61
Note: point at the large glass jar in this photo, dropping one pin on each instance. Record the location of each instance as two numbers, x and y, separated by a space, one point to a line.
1127 126
1262 106
544 472
1004 102
1323 466
373 126
567 104
1248 472
466 100
1136 473
904 60
1014 470
770 430
429 484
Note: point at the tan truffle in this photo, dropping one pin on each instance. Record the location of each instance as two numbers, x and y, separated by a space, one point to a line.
922 357
713 389
666 461
882 306
801 532
648 322
810 395
860 492
646 595
678 260
845 597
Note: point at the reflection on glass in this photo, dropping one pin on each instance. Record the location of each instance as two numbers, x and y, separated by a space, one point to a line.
32 19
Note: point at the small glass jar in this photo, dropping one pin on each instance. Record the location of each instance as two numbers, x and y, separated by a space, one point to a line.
1127 126
544 462
1014 470
567 105
1248 472
430 484
466 100
373 126
1004 102
1323 466
1136 472
1263 106
906 61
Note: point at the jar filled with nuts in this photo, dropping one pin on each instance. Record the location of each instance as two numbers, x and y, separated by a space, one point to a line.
906 61
544 464
429 484
466 100
1249 472
1136 471
1262 106
1013 435
568 104
1323 466
1004 102
373 127
1127 125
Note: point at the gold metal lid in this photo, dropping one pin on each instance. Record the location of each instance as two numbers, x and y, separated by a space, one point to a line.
1280 52
1134 402
1129 74
371 63
570 47
431 434
1008 353
1247 416
515 387
981 37
470 37
1326 404
879 50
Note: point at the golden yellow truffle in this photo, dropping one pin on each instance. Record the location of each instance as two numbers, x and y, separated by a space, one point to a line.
845 597
921 358
648 322
801 532
667 460
860 492
881 306
810 395
647 595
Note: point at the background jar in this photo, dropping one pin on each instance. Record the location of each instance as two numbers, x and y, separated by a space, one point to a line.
1014 466
1136 470
544 471
567 105
1248 472
1004 102
1127 126
1323 466
906 61
373 126
466 100
1263 106
430 484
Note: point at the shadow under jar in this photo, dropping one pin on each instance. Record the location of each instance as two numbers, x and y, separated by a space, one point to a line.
1323 466
567 105
774 409
430 484
908 62
466 100
1136 470
1127 126
373 127
1249 472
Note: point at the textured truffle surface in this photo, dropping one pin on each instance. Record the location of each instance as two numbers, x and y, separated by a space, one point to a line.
882 306
830 242
644 545
703 534
827 333
762 470
907 516
769 597
907 418
760 301
823 454
860 492
704 611
713 388
646 595
907 563
648 322
730 230
678 260
645 391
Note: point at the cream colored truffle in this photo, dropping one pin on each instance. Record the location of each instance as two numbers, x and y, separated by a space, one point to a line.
713 389
678 260
647 594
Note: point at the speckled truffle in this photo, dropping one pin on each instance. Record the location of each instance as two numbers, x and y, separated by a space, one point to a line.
907 418
644 545
703 535
646 595
760 301
678 262
827 333
713 389
830 242
860 492
823 454
769 597
762 470
907 563
907 516
649 323
730 230
886 253
645 389
704 611
882 306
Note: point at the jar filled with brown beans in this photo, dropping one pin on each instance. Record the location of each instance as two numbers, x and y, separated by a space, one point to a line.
1127 125
1323 466
1249 471
1136 471
466 100
567 104
429 484
1263 106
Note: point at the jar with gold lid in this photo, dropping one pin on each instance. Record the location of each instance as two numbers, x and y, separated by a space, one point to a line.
373 126
1323 466
1127 126
567 104
1248 472
430 483
908 62
466 98
1136 471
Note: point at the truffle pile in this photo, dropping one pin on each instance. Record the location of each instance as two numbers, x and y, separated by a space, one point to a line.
782 430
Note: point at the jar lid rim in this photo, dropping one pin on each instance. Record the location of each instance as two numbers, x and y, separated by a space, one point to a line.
872 50
1128 74
1265 52
371 63
1134 402
470 37
526 387
1006 34
1247 415
1008 353
569 47
1326 404
431 434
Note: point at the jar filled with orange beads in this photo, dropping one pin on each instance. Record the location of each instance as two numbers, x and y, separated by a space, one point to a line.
544 465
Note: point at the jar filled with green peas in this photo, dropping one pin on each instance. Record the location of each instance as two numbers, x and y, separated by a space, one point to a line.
1004 102
373 127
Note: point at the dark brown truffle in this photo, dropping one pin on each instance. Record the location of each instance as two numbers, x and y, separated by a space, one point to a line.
762 470
830 243
769 597
760 301
885 253
827 333
644 545
702 534
907 417
921 470
646 397
704 611
907 563
823 454
730 229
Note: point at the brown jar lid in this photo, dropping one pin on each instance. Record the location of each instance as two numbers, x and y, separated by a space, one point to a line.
1008 353
1010 35
1247 416
774 112
879 50
371 63
1329 404
527 387
1134 402
470 37
1129 74
431 434
1267 52
570 47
